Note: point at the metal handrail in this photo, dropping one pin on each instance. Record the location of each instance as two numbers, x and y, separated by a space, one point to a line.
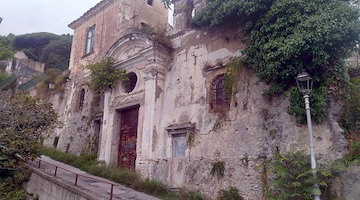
77 176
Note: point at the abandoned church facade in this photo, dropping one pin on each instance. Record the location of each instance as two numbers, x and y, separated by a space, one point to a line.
174 120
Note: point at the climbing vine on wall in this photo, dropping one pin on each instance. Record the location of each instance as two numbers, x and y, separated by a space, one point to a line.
231 74
104 75
285 36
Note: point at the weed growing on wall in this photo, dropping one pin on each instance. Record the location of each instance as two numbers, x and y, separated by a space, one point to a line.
231 193
218 169
105 75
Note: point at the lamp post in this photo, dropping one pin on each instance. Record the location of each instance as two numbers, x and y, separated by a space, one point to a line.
305 84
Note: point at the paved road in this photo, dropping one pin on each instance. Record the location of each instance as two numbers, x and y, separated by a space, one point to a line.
87 181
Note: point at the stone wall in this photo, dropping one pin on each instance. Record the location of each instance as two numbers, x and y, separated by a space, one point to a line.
347 186
26 69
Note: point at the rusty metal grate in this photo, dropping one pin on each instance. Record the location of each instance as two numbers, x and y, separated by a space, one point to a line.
220 98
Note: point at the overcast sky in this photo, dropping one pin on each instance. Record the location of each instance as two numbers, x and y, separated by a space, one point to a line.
30 16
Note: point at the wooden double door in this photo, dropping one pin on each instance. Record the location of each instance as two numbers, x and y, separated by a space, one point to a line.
128 137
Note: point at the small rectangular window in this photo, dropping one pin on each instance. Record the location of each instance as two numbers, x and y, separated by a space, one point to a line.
150 2
179 145
90 36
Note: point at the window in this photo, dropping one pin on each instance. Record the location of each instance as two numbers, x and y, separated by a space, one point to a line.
150 2
130 83
90 35
220 97
81 98
179 145
179 134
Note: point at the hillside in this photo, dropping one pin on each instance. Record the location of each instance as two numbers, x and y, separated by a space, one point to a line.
51 49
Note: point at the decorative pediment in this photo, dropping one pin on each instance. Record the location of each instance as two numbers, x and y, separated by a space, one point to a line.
129 46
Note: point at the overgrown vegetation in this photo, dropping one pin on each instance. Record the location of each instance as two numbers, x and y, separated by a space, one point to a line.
11 182
285 36
231 193
6 49
54 76
51 49
293 178
218 169
351 121
157 35
24 121
351 118
231 74
105 75
125 177
318 102
3 76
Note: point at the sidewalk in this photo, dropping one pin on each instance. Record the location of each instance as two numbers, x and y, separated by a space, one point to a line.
100 185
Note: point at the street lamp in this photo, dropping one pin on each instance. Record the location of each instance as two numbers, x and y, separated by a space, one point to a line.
305 84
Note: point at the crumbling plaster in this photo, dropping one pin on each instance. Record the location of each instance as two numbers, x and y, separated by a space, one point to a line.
173 90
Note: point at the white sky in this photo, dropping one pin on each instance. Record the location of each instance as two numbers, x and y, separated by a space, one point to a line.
30 16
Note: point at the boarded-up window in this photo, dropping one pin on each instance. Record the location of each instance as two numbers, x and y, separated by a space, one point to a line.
179 145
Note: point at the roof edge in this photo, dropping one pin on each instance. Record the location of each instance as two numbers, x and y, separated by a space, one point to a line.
91 11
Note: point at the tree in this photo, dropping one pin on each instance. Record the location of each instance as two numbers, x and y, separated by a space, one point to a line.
6 50
24 122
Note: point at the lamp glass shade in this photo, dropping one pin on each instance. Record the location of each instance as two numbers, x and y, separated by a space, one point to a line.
304 82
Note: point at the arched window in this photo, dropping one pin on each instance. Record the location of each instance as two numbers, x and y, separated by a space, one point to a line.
220 97
81 98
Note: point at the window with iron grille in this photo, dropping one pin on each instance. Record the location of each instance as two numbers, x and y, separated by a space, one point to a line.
90 36
220 97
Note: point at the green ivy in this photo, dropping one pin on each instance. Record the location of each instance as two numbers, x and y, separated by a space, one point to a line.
285 36
231 74
351 119
318 102
105 75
